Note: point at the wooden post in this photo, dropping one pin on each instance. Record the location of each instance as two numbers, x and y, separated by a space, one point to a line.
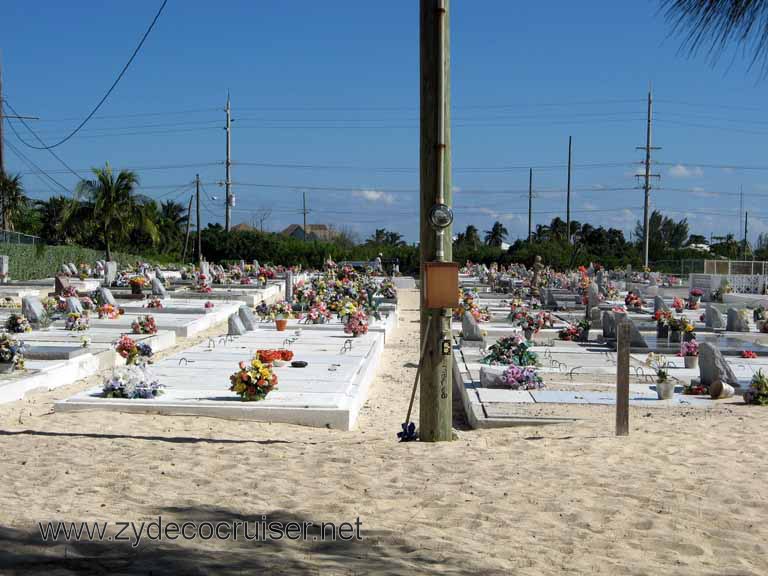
186 235
623 341
435 402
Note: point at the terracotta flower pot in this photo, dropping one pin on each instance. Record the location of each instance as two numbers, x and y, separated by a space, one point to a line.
280 324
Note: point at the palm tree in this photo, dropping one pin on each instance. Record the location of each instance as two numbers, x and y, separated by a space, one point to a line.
496 235
111 202
12 199
52 212
472 236
171 222
716 23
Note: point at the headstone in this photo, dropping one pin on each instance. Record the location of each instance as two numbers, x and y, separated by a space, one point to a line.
713 319
470 329
609 325
106 297
550 299
235 326
256 266
110 273
636 339
593 298
247 317
64 269
73 269
713 367
595 319
159 273
158 289
737 322
74 305
242 266
537 268
659 304
61 283
651 291
289 286
33 310
5 270
205 268
490 376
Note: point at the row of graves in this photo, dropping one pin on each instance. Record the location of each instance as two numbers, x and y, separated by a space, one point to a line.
307 358
534 336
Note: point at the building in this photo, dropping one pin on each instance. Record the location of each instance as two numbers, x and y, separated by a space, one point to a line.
314 232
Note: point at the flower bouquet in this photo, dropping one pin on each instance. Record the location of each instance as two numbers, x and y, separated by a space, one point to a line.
245 281
318 314
137 284
202 284
51 305
356 324
77 322
69 292
568 334
132 382
144 325
108 311
633 301
510 350
388 290
678 305
525 378
663 319
155 303
695 298
757 393
253 381
748 354
278 357
11 353
132 352
208 305
665 389
17 324
689 351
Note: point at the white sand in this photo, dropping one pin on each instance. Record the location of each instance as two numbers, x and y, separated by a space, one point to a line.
686 493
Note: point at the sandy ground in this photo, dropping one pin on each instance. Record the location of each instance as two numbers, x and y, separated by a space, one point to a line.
685 493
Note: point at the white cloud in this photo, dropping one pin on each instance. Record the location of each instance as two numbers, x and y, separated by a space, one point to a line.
375 196
701 193
683 171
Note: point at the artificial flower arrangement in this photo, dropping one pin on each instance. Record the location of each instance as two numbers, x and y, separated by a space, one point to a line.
678 305
155 303
137 283
356 324
388 290
132 352
662 317
659 364
132 382
575 332
510 350
253 381
281 310
51 305
85 341
757 393
108 311
758 314
12 351
87 303
69 292
693 300
633 300
245 280
697 293
346 309
208 305
144 325
77 322
17 324
748 354
318 314
278 357
522 378
529 322
688 349
262 310
202 284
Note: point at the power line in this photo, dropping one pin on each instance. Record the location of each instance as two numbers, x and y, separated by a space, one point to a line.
111 88
39 172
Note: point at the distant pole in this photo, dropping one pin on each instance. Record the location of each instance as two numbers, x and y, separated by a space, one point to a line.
647 177
199 230
623 341
304 210
2 162
746 227
568 197
741 209
189 222
435 401
228 166
530 202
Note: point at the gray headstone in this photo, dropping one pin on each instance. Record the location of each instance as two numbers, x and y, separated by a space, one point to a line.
637 340
737 322
289 286
256 265
73 269
490 376
205 268
595 319
33 310
106 297
157 288
713 318
247 317
609 325
4 269
713 367
110 273
64 269
159 273
470 329
235 326
242 266
550 299
74 305
659 304
651 291
61 283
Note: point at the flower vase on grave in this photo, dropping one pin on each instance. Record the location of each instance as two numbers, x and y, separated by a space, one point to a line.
674 336
662 331
528 335
688 336
280 324
691 361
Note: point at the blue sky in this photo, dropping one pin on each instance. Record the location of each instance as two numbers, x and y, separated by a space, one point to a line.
325 99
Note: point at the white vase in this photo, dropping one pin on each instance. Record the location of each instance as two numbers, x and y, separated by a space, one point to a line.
665 390
691 361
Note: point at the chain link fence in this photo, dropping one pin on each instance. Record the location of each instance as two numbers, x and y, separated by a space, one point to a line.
11 237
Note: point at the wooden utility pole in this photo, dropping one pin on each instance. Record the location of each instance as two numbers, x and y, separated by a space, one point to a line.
435 402
2 161
746 227
647 178
199 230
228 166
189 223
304 210
623 341
530 202
568 196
